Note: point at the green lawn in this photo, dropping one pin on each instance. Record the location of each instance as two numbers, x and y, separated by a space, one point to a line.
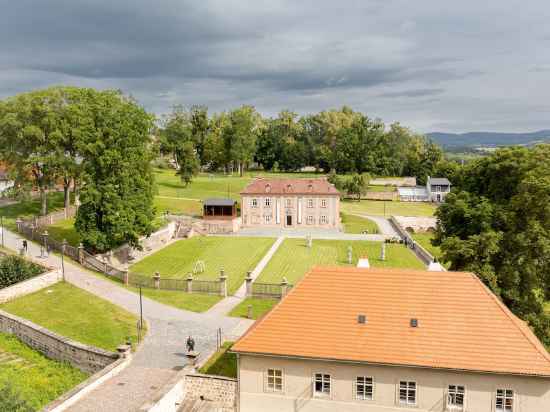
389 208
178 206
77 314
377 188
28 209
64 229
424 240
259 307
195 302
356 224
236 255
34 378
221 363
293 258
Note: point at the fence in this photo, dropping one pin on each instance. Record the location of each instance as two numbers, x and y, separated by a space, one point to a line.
266 290
189 285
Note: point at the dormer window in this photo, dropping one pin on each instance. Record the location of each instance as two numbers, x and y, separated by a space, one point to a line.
267 188
310 188
289 188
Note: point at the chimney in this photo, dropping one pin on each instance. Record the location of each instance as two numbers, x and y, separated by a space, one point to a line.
363 262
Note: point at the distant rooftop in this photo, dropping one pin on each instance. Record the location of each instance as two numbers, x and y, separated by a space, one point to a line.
443 181
317 186
219 202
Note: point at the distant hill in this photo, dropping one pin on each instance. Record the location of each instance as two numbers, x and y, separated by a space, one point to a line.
474 140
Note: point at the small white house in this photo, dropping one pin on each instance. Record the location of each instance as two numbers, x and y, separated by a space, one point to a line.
436 190
5 182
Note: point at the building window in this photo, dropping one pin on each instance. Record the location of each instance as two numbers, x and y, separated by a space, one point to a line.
323 202
310 220
504 400
254 203
310 203
288 202
407 393
364 388
267 219
274 380
455 398
321 384
324 220
268 202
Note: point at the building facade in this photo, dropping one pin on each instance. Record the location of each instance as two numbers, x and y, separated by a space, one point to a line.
437 188
387 340
290 203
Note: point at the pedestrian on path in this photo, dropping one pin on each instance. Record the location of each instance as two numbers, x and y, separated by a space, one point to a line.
25 246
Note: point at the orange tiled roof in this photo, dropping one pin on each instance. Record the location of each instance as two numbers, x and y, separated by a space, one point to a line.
461 324
316 186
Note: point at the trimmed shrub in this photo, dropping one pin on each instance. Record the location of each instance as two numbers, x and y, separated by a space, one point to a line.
14 269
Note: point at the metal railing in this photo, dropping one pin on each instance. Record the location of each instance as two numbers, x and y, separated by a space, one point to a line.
269 290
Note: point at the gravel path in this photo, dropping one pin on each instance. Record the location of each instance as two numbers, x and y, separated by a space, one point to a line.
383 223
160 355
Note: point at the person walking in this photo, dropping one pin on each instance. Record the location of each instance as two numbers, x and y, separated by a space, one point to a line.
25 246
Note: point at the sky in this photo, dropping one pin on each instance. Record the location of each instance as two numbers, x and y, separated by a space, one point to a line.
432 65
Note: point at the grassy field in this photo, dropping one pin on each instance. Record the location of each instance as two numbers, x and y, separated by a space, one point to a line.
77 314
356 224
28 209
64 229
236 255
259 307
195 302
177 206
425 241
221 363
381 208
293 258
34 378
377 188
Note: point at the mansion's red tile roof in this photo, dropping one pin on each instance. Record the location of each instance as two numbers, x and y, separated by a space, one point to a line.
461 325
315 186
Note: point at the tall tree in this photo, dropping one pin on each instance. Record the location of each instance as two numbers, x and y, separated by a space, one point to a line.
200 126
188 162
241 134
117 189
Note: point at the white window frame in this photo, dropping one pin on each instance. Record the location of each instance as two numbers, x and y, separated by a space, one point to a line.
407 389
504 397
310 203
310 220
267 202
288 202
273 388
323 220
254 203
267 219
323 202
455 391
322 394
365 385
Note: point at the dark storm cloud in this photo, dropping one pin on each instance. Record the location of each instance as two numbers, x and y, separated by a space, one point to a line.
382 57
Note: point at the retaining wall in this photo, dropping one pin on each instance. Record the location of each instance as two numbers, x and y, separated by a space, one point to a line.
30 285
422 253
84 357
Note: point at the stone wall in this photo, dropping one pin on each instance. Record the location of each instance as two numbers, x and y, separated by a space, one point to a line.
30 285
381 196
217 389
86 358
417 223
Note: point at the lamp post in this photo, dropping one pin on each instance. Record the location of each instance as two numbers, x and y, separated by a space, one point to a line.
44 245
63 245
2 228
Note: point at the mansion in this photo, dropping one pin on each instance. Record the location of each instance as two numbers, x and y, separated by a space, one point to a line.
290 203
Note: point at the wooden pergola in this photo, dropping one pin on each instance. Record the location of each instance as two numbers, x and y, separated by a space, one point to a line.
219 209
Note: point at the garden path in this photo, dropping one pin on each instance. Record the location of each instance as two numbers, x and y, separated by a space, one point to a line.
162 352
384 225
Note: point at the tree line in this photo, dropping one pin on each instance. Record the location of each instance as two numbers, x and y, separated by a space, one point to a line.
98 143
342 141
496 223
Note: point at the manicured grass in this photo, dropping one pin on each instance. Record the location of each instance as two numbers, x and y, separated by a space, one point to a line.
221 363
356 224
195 302
236 255
259 307
34 378
395 208
425 241
293 258
30 208
178 206
64 229
376 188
77 314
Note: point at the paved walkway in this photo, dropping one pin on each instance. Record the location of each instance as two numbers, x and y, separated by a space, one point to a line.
160 355
302 233
383 223
224 306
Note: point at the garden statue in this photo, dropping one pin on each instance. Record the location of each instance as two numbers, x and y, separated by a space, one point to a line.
350 254
309 241
383 252
190 344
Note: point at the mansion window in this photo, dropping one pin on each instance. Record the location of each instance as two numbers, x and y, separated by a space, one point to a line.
324 220
323 202
310 220
504 400
267 219
254 203
364 388
274 382
268 202
407 393
288 202
310 203
455 398
321 384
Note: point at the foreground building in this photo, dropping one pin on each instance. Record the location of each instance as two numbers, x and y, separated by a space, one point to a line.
380 340
290 203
